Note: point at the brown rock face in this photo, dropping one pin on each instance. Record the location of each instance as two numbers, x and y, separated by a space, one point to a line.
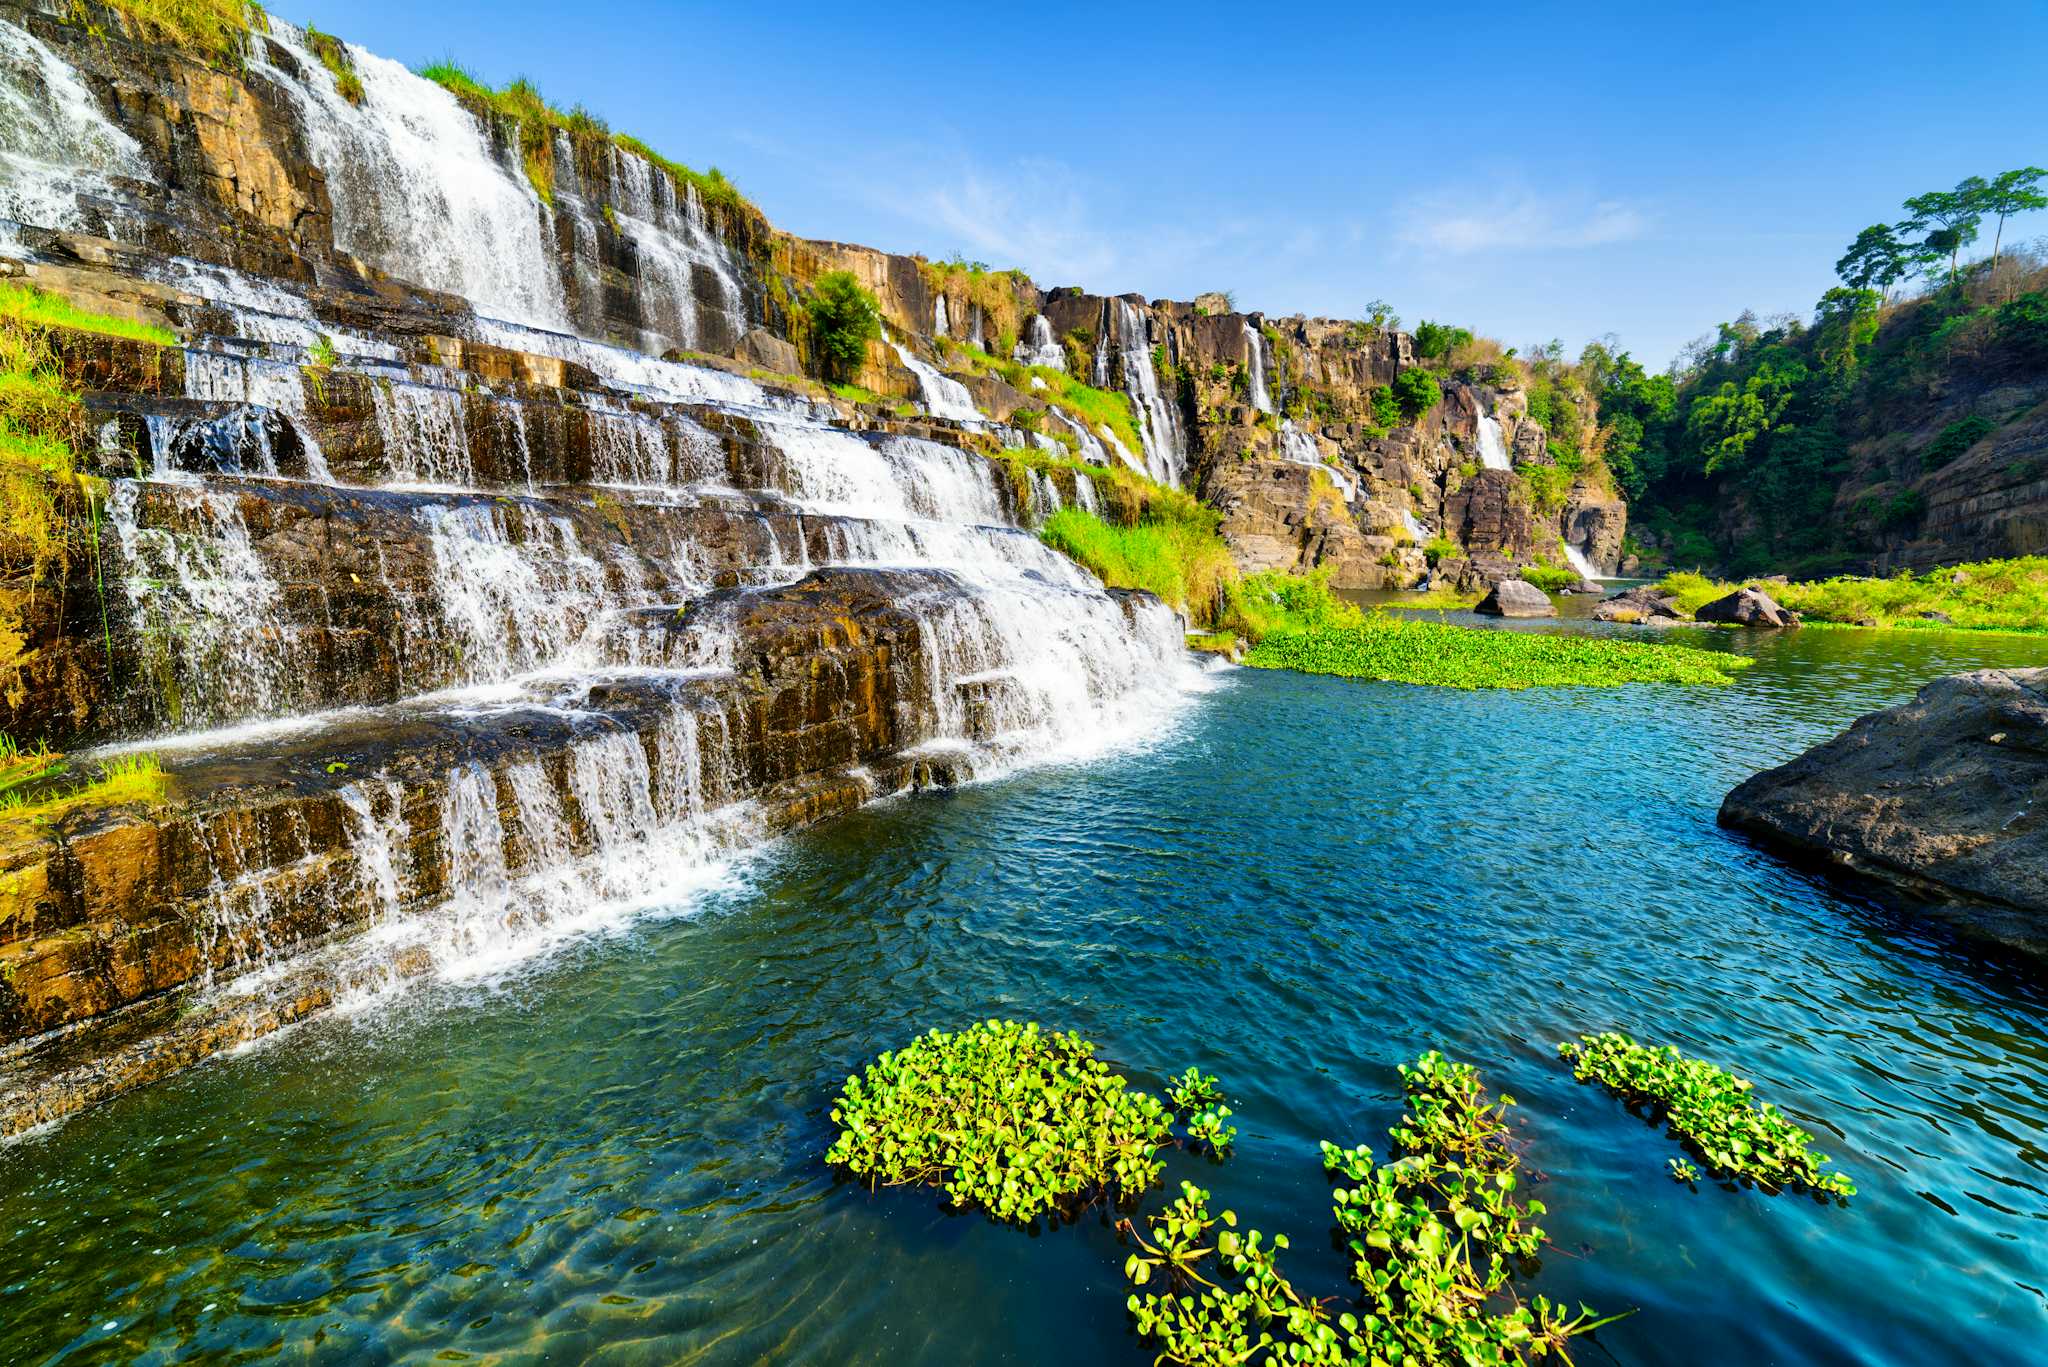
1946 793
1643 605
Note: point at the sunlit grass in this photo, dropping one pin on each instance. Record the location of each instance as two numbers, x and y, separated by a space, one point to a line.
1984 595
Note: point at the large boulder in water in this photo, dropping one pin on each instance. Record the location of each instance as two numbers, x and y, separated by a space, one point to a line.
1644 605
1516 598
1948 792
1750 607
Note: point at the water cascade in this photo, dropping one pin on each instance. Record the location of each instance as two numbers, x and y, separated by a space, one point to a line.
1299 448
1255 367
1581 564
943 396
1126 343
1038 346
1492 453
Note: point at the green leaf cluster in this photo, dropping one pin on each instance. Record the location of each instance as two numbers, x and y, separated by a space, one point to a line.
845 317
1435 1236
1005 1116
1711 1110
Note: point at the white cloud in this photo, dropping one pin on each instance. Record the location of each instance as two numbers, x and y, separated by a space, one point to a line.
1030 214
1515 219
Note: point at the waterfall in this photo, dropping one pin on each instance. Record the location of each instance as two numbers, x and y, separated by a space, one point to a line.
944 397
1300 448
224 378
1159 426
1038 346
56 146
1255 366
941 325
1580 564
1415 529
515 717
416 187
1492 454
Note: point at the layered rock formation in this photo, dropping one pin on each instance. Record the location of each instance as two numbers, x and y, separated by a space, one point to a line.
1945 794
450 610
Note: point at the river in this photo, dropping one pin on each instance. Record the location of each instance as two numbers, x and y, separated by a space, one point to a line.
610 1154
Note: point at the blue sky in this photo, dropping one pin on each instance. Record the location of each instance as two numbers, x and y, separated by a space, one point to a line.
1524 171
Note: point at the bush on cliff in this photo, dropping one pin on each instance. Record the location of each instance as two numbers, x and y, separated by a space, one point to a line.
1416 391
844 319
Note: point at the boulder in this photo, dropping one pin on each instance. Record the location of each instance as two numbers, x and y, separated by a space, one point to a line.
1947 793
770 352
1516 598
1750 607
1644 604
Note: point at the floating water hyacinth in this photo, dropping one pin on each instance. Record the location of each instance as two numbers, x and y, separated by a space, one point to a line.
1711 1110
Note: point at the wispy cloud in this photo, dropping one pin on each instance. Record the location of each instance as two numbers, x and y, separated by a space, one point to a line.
1515 219
1031 212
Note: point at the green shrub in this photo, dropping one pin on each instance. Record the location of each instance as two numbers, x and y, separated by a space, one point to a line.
1988 595
1956 438
1434 341
1386 409
1416 391
1549 486
1440 548
1549 578
1710 1109
335 56
844 319
2023 325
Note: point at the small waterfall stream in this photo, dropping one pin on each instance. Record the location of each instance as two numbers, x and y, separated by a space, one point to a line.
1493 454
1255 368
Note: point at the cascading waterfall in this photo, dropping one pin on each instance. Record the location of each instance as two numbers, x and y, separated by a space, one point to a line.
942 326
55 144
1255 366
561 649
416 187
1414 527
1159 425
1038 346
943 396
1300 448
1581 565
1493 454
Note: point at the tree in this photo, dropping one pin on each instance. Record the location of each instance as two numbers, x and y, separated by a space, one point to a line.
1875 260
2013 192
844 319
1417 392
1433 340
1949 218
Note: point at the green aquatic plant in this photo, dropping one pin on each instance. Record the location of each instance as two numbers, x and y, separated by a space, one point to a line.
1711 1110
1403 650
1198 1101
1005 1116
1435 1237
1682 1171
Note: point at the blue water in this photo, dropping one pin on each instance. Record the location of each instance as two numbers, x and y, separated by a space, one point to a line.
613 1157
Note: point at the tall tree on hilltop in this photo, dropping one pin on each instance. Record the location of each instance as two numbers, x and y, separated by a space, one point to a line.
1875 260
1949 218
2013 192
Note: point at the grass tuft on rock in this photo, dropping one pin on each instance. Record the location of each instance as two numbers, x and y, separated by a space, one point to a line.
537 121
217 30
340 63
33 800
1710 1109
1005 1116
1403 650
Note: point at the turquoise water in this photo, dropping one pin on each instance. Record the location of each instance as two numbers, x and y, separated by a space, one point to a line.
612 1157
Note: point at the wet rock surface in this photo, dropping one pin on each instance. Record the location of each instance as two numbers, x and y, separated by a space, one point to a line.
1747 607
1946 794
1643 605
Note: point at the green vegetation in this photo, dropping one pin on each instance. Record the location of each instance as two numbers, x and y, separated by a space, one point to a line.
844 319
1093 408
1416 391
1436 341
42 495
1179 557
1434 1239
335 56
1710 1109
1984 595
1766 411
215 29
25 798
1955 439
1549 578
537 121
26 306
1010 1118
1403 650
